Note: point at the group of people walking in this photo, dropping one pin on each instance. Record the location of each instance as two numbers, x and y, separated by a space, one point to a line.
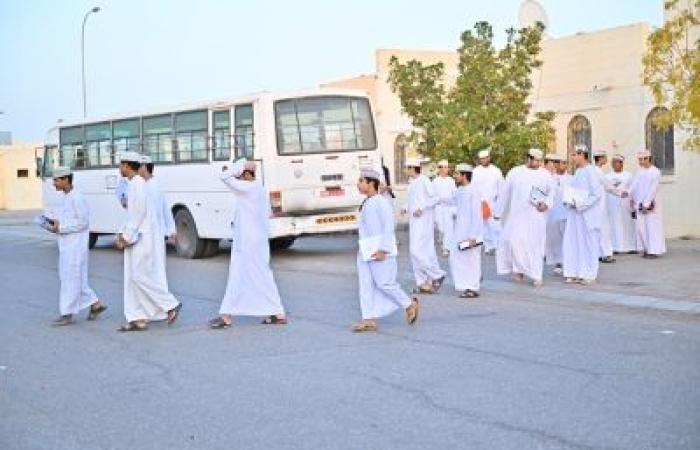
537 214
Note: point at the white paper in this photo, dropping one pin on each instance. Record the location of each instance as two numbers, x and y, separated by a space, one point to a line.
42 221
538 195
574 196
370 245
465 245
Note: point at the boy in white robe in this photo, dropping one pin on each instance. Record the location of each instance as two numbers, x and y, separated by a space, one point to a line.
72 225
583 221
380 294
606 249
251 288
622 225
465 253
420 208
527 197
488 179
645 199
146 295
445 188
556 219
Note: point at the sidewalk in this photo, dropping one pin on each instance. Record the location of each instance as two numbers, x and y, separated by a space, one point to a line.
22 217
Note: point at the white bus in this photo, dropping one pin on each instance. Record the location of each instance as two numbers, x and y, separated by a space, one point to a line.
309 145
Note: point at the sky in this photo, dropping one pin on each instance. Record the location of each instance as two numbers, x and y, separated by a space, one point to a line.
143 54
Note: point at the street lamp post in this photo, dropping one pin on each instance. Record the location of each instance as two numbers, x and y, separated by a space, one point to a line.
82 54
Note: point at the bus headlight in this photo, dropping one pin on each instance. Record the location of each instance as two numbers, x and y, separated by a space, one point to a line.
276 202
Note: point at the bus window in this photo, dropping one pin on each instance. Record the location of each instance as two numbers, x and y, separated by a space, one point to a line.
71 144
127 135
191 136
222 135
157 137
245 137
99 140
324 124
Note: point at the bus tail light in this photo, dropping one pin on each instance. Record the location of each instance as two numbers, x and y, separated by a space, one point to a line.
276 202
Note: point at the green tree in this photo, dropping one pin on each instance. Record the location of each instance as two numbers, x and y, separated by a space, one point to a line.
485 107
672 70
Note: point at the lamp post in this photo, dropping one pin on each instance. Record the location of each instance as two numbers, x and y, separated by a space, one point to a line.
82 54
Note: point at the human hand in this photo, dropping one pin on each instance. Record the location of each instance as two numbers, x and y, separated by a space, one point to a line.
379 255
417 213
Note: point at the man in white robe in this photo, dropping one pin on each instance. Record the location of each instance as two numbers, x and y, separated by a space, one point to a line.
583 197
622 225
465 252
380 294
606 249
556 219
251 288
645 199
526 198
72 225
444 186
420 208
146 295
157 201
488 179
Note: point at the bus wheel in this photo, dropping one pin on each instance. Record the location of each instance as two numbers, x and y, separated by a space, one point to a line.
93 240
282 243
188 245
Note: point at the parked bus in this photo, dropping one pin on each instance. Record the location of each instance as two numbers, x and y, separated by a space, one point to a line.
309 146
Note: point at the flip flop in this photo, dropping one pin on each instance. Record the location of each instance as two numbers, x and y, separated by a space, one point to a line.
415 307
363 327
437 284
274 320
422 290
175 313
92 315
469 294
132 326
218 324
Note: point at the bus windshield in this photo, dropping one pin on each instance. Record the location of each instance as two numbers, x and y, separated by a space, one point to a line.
325 124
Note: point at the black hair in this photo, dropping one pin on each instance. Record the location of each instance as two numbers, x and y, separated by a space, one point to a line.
373 181
149 167
133 165
251 172
468 175
416 168
598 158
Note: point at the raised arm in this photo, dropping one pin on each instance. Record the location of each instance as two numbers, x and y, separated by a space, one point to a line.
235 184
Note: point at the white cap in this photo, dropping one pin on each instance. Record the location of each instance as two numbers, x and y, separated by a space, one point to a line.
644 154
599 153
618 157
129 157
484 153
413 162
581 149
464 168
552 157
371 174
535 153
443 162
145 159
238 167
61 171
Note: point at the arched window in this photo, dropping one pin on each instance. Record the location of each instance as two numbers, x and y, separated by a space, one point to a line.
401 146
578 133
659 141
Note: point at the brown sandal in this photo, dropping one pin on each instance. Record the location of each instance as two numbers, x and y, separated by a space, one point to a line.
362 327
274 320
95 312
132 326
412 311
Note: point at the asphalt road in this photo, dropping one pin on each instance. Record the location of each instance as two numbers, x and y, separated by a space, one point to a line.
517 369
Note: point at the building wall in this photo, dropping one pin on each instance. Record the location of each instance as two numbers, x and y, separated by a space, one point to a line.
16 192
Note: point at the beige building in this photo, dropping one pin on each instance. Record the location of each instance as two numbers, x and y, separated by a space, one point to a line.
20 188
592 81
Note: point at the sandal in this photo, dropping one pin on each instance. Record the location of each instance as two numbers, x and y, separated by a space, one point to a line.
437 284
174 313
362 327
274 320
63 321
218 324
412 311
469 294
423 290
94 312
132 326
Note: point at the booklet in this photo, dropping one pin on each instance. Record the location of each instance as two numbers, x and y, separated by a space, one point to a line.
538 195
370 245
465 245
43 221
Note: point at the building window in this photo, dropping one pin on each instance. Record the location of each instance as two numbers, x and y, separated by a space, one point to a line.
244 136
579 133
158 138
659 141
191 136
400 148
22 173
222 135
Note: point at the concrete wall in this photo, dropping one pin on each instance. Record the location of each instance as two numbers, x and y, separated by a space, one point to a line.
19 193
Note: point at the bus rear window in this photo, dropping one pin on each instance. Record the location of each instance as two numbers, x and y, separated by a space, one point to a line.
324 125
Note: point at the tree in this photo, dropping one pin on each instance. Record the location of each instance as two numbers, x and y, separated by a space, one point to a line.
485 107
672 69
